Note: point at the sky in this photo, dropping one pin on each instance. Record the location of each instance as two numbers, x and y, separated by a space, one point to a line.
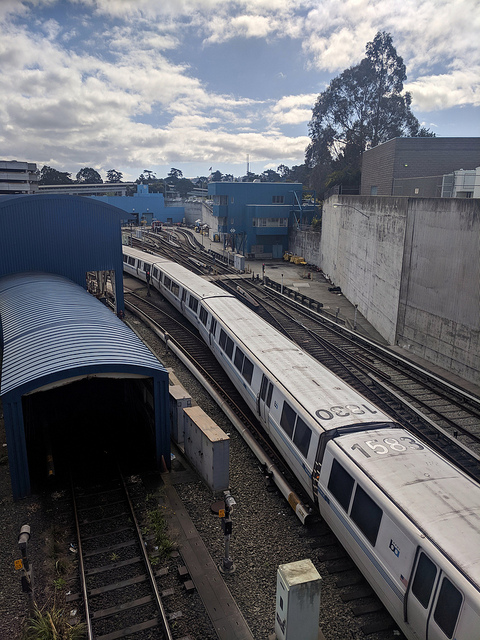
206 85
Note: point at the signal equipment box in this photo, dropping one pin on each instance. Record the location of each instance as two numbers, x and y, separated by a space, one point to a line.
179 400
207 448
298 601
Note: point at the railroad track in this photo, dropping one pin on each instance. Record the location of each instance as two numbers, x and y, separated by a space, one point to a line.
121 590
443 415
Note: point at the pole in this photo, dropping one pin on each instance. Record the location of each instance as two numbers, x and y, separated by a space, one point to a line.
26 565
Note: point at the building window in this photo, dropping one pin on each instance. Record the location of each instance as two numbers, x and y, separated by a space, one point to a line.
417 191
220 200
373 190
269 222
278 199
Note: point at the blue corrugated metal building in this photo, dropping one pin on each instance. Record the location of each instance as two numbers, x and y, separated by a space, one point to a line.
56 337
145 206
254 217
62 234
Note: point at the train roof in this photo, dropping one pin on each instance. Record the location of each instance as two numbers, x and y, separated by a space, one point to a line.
200 287
442 501
143 255
305 378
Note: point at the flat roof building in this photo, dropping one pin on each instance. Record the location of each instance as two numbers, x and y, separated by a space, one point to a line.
415 167
18 177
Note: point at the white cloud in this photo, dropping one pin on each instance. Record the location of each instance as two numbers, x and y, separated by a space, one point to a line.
293 109
442 91
133 99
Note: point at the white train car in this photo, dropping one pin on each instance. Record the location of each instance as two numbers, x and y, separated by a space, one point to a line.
409 519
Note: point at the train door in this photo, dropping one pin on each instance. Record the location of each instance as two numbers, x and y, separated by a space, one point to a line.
183 300
433 603
265 398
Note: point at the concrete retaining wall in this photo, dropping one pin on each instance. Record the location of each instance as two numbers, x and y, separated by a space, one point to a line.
413 267
439 306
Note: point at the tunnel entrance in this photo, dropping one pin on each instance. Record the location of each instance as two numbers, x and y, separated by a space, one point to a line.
73 427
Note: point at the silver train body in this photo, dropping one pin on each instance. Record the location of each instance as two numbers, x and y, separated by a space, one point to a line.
409 519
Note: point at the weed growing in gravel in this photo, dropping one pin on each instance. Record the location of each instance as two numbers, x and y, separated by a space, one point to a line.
157 525
59 583
52 625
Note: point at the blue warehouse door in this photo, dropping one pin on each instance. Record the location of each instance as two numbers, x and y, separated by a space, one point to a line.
277 251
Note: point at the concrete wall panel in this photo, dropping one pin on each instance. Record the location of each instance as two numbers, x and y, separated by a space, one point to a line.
413 267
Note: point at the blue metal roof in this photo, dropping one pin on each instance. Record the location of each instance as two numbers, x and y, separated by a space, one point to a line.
54 330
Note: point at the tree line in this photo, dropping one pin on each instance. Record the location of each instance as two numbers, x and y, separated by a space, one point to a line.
174 182
361 108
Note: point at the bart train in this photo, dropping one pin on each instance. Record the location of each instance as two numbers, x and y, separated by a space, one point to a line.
409 519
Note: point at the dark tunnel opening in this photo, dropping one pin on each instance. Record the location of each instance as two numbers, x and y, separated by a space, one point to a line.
75 427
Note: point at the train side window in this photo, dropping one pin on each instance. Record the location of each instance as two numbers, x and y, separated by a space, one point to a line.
203 316
229 347
226 343
125 259
175 288
366 514
247 370
340 484
193 303
155 273
239 358
266 390
448 607
269 395
302 437
223 339
213 326
131 261
424 580
167 282
263 387
146 266
287 421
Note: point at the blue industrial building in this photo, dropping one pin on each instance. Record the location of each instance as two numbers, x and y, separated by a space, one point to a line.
254 217
70 368
145 207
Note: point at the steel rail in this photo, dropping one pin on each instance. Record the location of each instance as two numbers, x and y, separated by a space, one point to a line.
148 566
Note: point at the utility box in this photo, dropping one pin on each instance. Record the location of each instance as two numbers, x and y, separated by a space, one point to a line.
207 448
298 601
179 400
239 262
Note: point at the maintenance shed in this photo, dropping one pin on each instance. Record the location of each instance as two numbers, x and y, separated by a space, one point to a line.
71 236
74 377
